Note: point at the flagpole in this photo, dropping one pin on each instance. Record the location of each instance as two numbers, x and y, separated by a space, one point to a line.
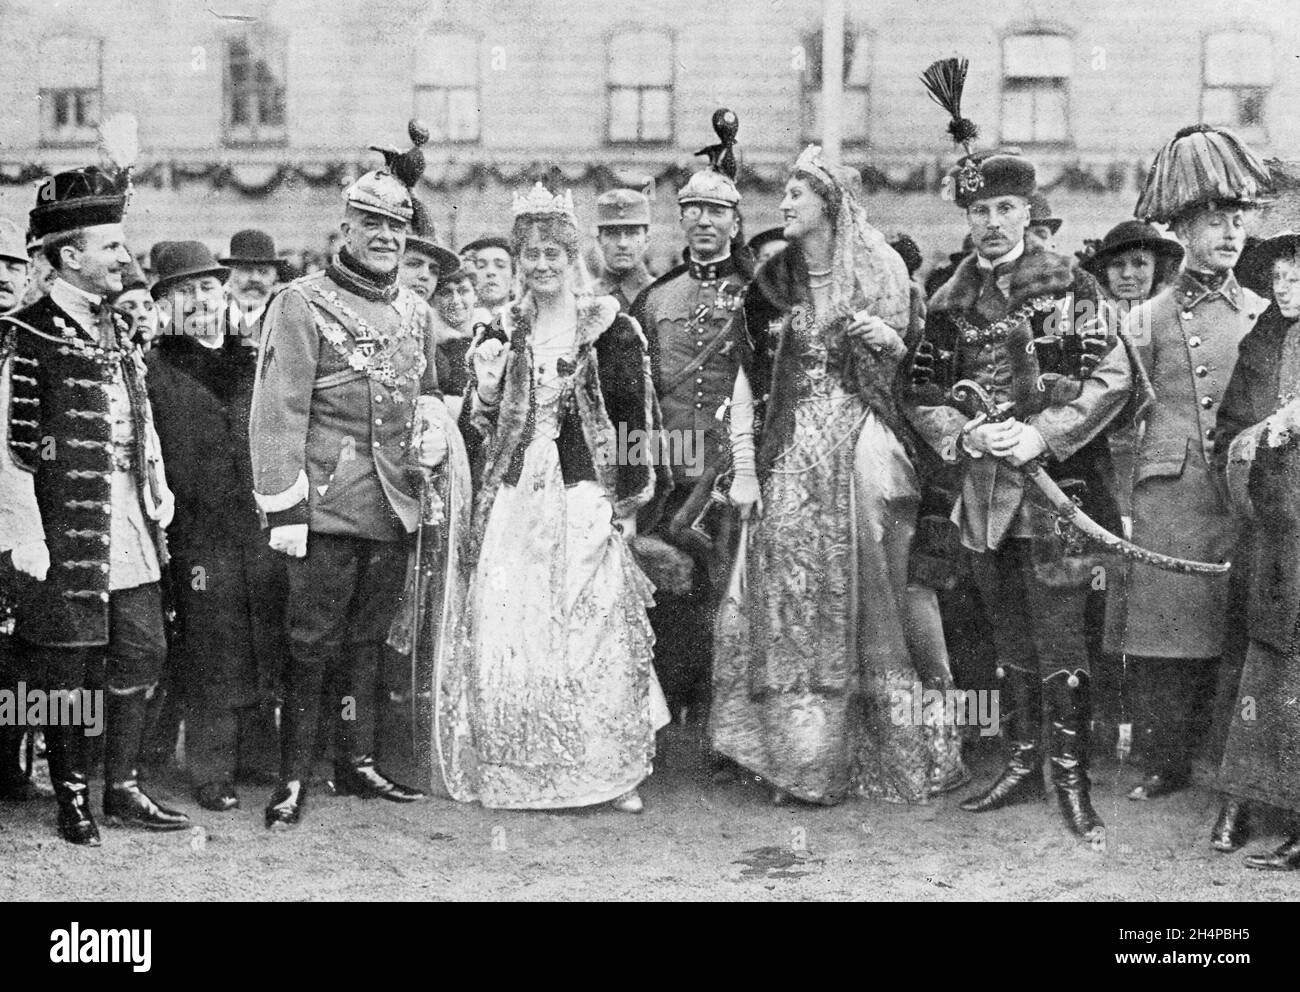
832 78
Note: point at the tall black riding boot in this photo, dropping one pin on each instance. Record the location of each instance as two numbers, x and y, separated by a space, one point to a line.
65 750
125 803
355 771
303 680
1067 701
1021 780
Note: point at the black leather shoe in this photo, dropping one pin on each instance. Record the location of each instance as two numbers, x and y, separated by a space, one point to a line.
363 778
1285 858
76 825
126 804
1159 784
285 807
1232 829
220 797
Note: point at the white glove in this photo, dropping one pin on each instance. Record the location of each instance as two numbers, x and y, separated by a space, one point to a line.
433 445
489 367
33 558
290 539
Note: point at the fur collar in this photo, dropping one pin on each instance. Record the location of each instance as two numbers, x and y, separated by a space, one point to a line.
1035 273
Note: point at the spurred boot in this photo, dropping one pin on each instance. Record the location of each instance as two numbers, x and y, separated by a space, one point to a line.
1067 701
65 750
125 803
1021 780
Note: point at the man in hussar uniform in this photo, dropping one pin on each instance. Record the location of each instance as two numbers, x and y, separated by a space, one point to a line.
15 786
623 234
982 325
89 603
690 315
345 355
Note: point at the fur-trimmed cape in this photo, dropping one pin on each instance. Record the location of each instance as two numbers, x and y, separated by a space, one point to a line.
613 394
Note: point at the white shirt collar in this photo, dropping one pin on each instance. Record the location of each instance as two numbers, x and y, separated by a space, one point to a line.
75 302
1011 256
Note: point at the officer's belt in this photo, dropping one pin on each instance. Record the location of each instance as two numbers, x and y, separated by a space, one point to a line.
337 378
698 362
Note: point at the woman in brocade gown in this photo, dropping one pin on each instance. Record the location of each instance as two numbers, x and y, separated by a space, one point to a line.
550 699
823 647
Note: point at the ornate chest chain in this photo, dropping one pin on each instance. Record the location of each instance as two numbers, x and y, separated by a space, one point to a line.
998 330
394 361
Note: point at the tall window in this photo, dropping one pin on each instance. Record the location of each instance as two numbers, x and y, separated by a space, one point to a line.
71 89
447 86
255 88
857 82
640 87
1237 74
1036 68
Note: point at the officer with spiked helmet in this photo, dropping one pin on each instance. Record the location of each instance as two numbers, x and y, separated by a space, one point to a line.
346 354
691 316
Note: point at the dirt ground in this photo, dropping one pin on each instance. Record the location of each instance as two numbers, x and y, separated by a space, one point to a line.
696 840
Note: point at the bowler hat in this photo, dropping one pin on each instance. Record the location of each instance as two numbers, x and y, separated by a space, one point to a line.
1040 212
185 260
1125 236
254 247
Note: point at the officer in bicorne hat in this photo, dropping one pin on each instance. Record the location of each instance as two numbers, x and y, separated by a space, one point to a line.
80 424
1173 629
623 234
346 354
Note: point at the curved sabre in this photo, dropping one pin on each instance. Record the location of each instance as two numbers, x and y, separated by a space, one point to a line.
967 391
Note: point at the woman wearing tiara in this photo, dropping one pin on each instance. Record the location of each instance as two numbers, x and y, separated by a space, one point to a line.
824 647
550 700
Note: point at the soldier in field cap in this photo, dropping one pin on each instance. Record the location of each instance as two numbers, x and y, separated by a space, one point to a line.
345 356
89 547
623 234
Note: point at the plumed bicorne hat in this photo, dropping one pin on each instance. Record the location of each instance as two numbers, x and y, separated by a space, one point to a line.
1201 165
